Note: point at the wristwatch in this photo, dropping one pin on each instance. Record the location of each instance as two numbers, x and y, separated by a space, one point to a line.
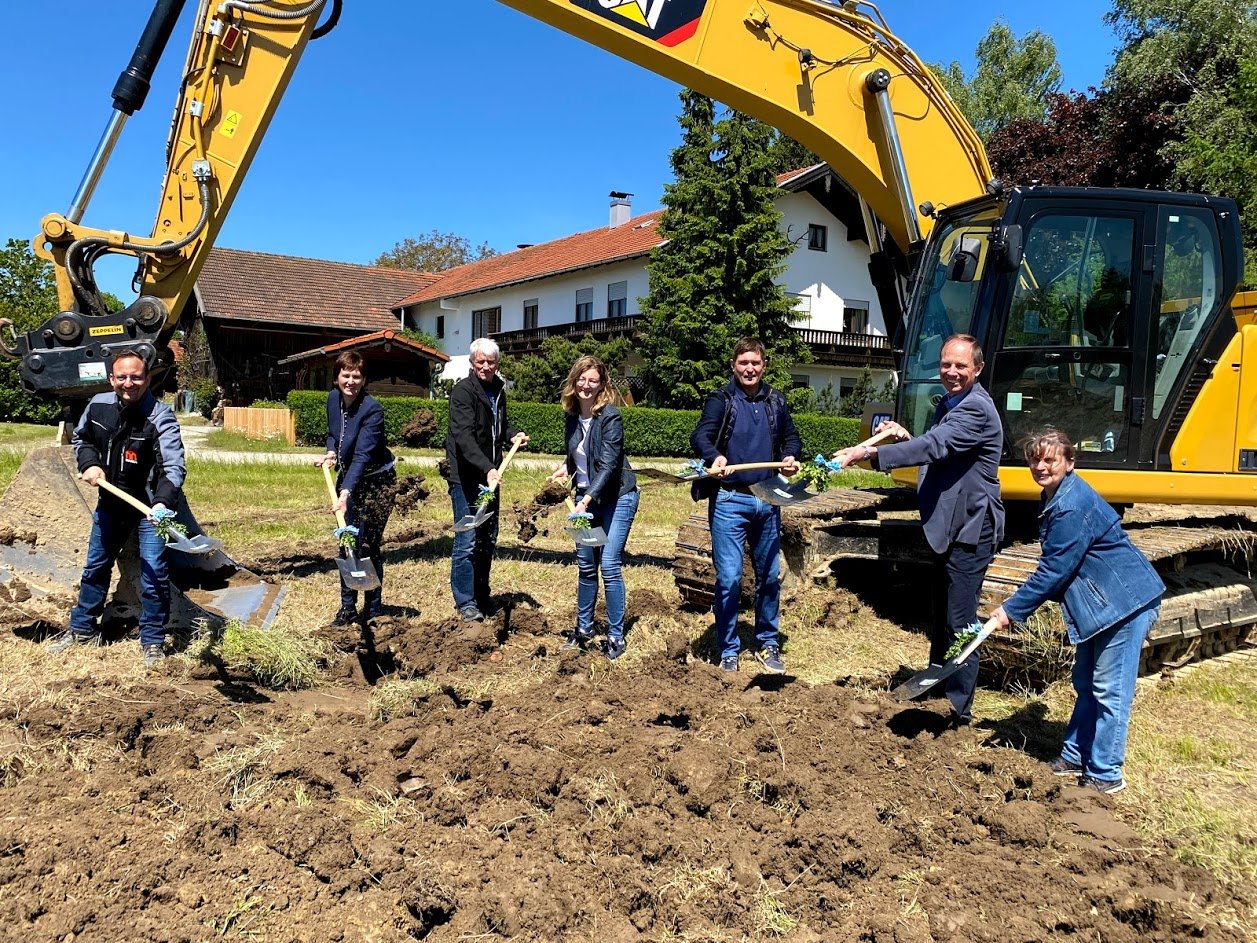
867 453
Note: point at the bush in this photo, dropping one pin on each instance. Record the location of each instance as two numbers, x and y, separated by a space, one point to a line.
647 431
17 405
267 404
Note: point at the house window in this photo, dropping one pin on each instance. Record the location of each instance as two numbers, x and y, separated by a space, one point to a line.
800 380
584 304
440 326
817 237
486 321
617 299
846 386
530 313
855 317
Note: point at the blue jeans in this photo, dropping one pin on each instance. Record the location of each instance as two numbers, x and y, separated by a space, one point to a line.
473 550
615 519
110 530
736 519
1105 668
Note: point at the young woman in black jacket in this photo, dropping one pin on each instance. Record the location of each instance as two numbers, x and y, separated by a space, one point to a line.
366 475
605 488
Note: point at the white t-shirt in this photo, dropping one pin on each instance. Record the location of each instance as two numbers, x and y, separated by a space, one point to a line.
582 460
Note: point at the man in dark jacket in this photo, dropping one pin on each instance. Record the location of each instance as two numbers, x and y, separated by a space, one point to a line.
746 421
132 441
958 491
478 428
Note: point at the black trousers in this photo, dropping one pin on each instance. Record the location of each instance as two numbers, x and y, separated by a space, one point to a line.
959 584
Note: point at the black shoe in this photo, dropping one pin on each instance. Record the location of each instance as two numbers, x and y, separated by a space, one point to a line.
576 641
1063 767
471 613
729 665
615 648
770 657
345 615
1107 786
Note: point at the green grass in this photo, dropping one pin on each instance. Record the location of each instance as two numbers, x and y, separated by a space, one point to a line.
10 462
223 441
23 436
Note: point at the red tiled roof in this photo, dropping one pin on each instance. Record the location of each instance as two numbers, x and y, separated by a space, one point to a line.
583 250
370 340
283 289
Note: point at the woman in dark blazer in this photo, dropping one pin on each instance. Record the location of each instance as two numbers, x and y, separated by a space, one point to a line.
606 488
365 474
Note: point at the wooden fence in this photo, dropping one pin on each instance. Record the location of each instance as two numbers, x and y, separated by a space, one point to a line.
261 423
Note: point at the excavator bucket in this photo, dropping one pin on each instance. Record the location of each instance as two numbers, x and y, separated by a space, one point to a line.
45 520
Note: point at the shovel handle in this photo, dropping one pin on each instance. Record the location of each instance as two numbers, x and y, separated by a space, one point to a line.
331 490
750 466
505 461
129 499
873 440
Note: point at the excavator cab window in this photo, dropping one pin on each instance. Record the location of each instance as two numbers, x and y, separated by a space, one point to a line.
1066 355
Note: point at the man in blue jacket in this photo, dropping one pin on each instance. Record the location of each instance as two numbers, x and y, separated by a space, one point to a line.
132 441
958 492
746 421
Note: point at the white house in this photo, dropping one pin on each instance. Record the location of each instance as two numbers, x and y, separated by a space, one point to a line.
591 282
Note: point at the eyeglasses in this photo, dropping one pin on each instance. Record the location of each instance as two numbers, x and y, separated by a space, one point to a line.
128 379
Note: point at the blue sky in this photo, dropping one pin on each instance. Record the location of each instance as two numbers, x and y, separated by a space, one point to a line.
458 115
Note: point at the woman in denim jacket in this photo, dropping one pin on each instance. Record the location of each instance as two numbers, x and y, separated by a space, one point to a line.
606 488
1110 595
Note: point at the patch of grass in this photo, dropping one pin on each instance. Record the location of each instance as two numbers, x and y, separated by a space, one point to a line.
769 915
241 770
381 812
23 436
605 799
692 882
10 462
284 659
223 440
394 697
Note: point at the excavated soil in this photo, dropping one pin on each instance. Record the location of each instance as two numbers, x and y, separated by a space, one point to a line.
589 801
526 515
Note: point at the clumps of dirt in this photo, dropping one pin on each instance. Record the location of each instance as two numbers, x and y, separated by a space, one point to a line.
551 493
9 535
409 493
419 430
662 802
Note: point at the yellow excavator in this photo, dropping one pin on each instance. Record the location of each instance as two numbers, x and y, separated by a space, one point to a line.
1110 313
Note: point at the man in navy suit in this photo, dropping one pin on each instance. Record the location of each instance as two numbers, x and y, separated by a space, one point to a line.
958 491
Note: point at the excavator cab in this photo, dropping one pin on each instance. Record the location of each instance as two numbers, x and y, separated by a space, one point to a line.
1103 316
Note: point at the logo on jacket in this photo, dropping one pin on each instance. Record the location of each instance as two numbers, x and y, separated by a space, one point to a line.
667 22
130 456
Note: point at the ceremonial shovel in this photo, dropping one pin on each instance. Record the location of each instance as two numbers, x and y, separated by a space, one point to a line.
782 492
584 536
357 572
922 681
195 543
483 512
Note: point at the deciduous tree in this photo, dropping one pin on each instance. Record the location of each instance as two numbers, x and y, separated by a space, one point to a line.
539 377
435 252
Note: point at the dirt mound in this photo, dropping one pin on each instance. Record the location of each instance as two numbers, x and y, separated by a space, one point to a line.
526 515
662 802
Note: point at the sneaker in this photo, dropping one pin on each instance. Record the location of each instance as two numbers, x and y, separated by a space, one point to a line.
70 639
729 664
153 654
615 648
345 615
770 657
575 641
471 613
1107 786
1063 767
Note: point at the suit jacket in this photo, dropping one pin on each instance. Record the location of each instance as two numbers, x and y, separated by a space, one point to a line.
610 475
958 489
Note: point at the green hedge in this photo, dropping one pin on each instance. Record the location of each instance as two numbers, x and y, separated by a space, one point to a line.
654 432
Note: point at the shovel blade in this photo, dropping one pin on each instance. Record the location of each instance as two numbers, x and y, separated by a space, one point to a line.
472 521
780 491
922 681
588 536
658 474
358 572
194 543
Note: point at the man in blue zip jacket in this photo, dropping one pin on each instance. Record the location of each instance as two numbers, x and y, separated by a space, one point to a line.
132 441
746 421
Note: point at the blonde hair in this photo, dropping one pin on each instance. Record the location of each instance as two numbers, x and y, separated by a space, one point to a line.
568 396
1045 441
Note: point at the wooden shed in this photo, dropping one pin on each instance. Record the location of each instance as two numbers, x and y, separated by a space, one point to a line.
395 365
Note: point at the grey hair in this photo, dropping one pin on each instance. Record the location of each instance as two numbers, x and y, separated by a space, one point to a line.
487 347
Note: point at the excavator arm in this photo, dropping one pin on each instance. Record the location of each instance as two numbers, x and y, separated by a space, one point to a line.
832 77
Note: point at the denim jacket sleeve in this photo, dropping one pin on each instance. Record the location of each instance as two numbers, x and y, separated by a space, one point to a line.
1065 540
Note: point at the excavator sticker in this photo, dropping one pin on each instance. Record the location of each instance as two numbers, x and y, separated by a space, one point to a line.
667 22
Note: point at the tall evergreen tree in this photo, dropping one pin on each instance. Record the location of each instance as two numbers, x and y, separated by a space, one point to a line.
714 278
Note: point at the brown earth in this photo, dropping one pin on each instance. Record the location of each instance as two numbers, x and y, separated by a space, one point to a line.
526 515
663 801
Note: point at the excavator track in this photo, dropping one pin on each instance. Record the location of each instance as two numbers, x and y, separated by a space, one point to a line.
1209 609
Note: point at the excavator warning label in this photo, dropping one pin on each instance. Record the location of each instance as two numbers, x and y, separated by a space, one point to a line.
667 22
231 121
105 329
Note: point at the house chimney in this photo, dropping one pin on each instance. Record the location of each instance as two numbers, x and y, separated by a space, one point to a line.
621 208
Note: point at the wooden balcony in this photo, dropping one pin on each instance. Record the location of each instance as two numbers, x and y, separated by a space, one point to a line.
829 348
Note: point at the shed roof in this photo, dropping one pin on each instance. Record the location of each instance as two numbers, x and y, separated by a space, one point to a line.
387 338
